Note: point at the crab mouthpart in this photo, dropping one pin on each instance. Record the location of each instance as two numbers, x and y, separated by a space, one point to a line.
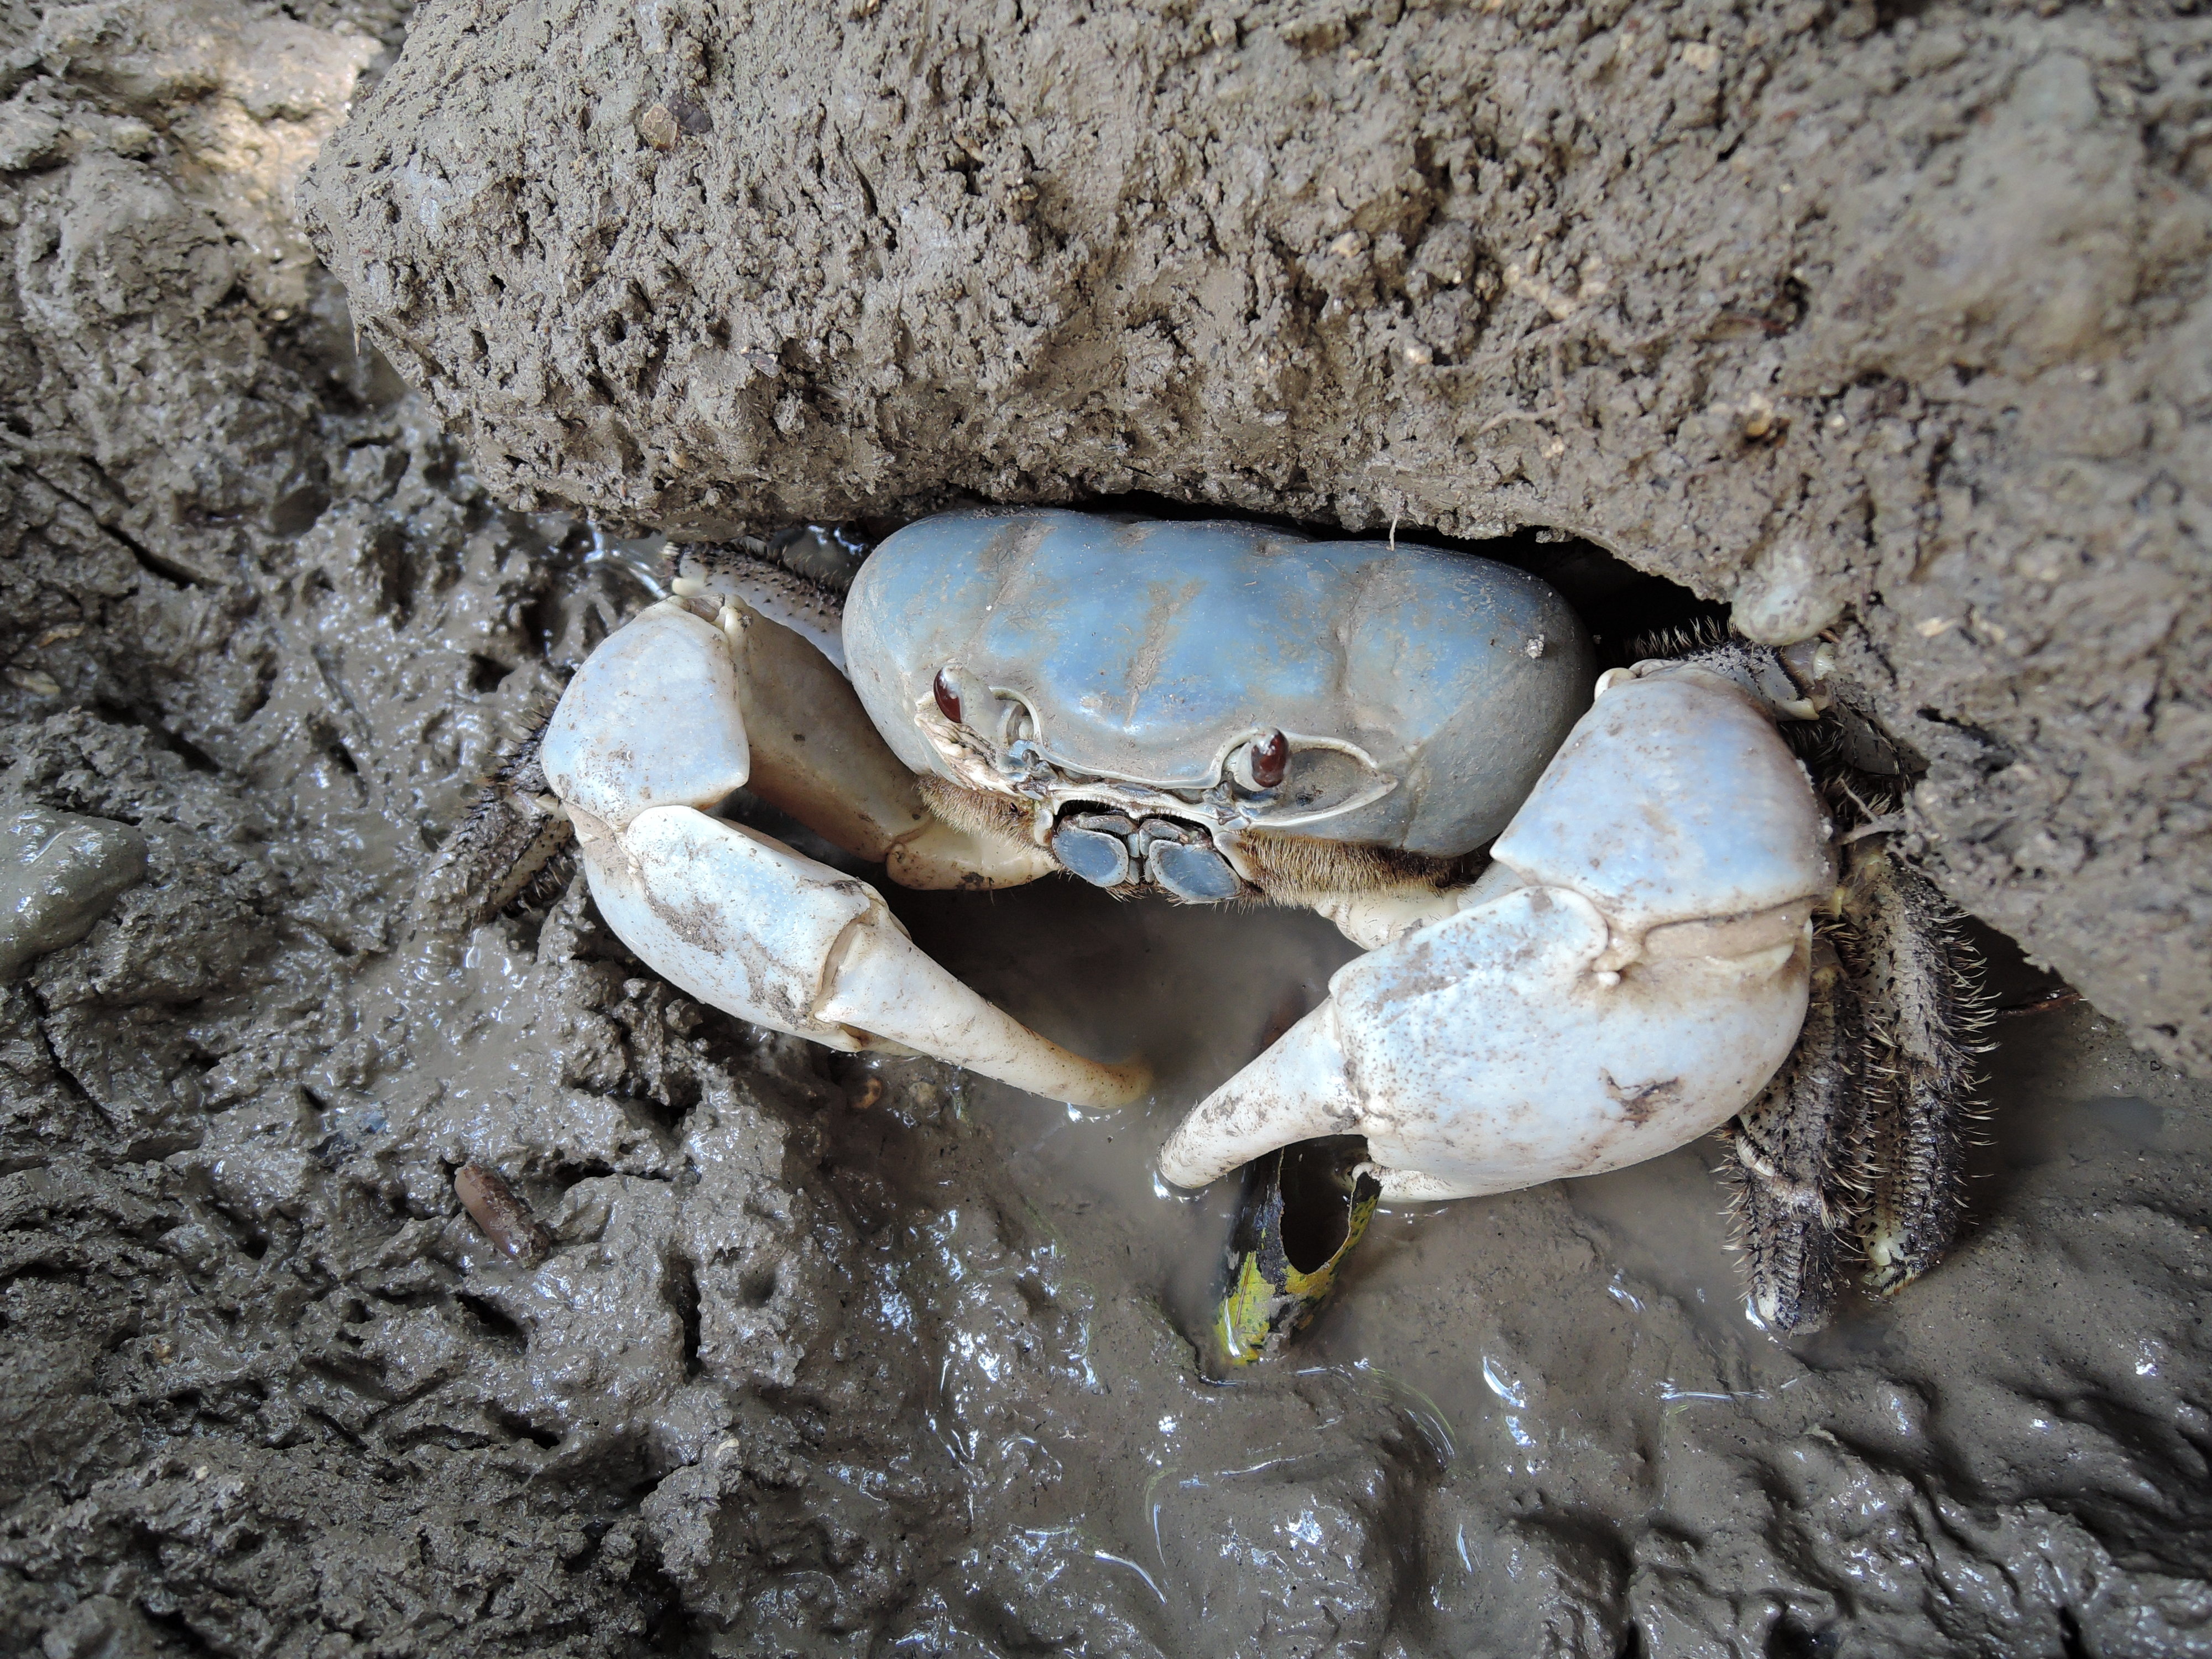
1113 849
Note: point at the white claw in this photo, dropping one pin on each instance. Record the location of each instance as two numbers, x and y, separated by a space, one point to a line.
1299 1090
737 920
1673 798
1628 975
650 719
1485 1053
883 983
650 730
742 922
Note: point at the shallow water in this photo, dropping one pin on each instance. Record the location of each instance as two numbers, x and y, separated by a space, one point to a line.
1197 990
1536 1337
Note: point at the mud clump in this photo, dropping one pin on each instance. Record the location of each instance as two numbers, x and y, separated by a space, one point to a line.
1893 319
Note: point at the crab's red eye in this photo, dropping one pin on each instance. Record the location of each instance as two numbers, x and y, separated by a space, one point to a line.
1271 756
948 700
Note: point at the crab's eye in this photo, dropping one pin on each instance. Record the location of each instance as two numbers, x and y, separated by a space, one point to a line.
1270 755
1261 764
948 700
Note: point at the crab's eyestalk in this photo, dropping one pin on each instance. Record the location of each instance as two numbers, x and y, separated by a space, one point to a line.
1304 1209
1262 762
1271 756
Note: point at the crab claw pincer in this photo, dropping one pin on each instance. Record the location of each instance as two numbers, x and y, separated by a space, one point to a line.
648 739
1628 975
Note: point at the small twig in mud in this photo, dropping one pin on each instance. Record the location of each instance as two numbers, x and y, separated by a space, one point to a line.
1758 320
2062 997
1550 416
505 1218
1533 417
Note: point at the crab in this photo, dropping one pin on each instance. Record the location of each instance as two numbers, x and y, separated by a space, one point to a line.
1602 915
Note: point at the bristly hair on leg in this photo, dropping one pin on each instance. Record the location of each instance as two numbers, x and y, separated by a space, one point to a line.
1878 1170
514 849
1926 1006
1296 870
1682 643
1919 984
1793 1170
977 811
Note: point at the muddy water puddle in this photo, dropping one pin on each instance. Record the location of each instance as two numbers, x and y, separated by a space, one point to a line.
1197 991
1524 1338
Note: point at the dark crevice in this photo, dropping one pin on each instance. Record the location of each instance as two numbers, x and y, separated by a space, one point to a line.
154 563
1789 1639
76 1084
1999 755
266 673
492 1319
194 757
673 1631
757 1284
174 1625
681 1291
46 1272
523 1429
331 1423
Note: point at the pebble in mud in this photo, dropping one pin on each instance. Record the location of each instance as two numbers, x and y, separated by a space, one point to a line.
59 872
505 1218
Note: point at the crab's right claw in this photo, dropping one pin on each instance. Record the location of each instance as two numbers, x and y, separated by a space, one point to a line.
647 736
1628 975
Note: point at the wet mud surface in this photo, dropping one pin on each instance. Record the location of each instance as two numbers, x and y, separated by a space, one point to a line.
795 1374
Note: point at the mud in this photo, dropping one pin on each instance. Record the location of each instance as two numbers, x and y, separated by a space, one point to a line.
826 1356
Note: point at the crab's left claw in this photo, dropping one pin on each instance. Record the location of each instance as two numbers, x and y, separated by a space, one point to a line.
647 736
1628 975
